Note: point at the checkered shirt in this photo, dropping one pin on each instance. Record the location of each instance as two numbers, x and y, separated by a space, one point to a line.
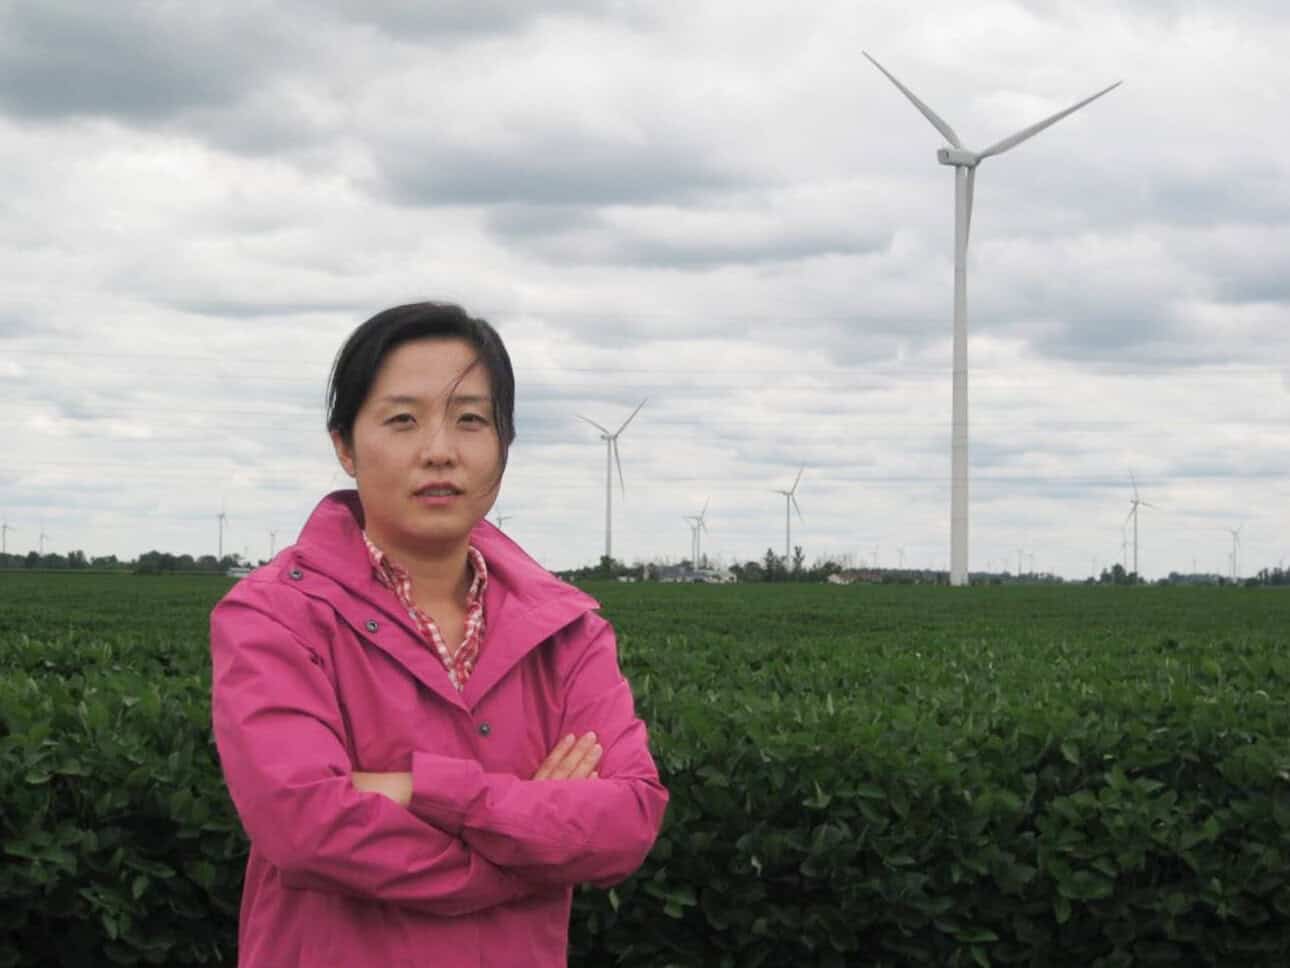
459 662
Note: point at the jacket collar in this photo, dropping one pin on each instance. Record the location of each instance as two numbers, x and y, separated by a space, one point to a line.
524 604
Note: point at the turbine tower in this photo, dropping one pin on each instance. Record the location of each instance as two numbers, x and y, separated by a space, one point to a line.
221 517
273 541
1136 503
5 528
1236 551
612 458
965 162
789 496
43 536
696 530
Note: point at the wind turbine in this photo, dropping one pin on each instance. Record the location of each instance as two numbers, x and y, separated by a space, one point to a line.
696 536
1236 550
612 458
5 528
221 517
43 536
501 519
965 162
1133 513
789 496
273 540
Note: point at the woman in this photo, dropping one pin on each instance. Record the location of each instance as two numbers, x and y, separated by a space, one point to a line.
425 734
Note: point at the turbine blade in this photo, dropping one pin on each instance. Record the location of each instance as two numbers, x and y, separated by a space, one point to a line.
796 508
927 112
1132 511
618 460
593 423
796 480
705 507
1013 140
1134 481
631 418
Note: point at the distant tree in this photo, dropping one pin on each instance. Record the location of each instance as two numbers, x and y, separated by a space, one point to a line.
76 559
772 566
799 562
32 560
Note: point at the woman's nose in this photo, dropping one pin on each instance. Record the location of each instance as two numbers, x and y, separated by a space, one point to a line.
436 444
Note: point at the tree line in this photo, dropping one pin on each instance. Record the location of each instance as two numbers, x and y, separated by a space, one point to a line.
149 563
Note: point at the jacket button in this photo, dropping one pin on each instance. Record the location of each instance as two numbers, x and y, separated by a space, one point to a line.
371 625
296 574
484 729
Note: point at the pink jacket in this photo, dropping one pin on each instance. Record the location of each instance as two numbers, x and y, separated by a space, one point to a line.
318 672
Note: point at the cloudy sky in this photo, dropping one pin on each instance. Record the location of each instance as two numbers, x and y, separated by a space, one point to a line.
719 206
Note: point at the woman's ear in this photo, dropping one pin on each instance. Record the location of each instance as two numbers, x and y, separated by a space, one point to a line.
343 454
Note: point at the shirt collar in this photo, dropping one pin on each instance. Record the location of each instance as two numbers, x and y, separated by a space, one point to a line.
388 571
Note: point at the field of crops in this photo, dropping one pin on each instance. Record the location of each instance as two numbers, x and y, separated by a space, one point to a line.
887 775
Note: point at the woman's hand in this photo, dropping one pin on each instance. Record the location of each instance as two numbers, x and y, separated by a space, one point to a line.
396 786
571 760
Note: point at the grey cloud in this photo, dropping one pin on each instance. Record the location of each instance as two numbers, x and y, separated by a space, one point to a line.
549 168
621 247
138 61
13 324
536 222
453 18
257 308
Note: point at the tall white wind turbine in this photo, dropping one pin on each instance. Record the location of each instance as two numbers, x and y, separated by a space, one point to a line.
5 528
1136 503
965 162
612 458
790 496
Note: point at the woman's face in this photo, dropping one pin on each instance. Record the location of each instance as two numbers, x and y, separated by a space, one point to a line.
425 455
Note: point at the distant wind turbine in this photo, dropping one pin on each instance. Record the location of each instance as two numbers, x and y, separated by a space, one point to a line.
965 163
43 537
273 541
790 497
697 527
5 528
1236 551
222 517
1133 513
501 519
612 458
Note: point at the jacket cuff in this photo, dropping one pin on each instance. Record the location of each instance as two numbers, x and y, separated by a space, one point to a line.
443 787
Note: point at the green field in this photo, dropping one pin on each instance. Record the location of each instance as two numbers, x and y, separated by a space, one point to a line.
897 775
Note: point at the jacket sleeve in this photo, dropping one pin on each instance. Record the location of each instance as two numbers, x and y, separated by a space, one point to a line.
281 741
559 832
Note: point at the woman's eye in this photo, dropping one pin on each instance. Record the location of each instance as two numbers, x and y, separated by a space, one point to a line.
474 418
400 418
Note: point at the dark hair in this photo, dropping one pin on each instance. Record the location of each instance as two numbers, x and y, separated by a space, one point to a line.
358 361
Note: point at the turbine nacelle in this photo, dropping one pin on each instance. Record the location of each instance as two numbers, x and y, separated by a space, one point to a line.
959 157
